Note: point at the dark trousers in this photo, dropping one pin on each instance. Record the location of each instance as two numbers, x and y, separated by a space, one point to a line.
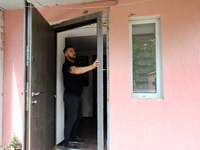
73 105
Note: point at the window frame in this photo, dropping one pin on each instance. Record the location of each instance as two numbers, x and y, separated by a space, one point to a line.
159 71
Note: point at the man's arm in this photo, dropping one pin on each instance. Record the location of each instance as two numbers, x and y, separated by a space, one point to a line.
81 70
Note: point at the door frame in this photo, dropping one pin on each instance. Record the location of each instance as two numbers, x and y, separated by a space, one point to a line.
82 21
67 25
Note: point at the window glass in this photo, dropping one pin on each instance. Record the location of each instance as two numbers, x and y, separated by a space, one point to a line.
144 58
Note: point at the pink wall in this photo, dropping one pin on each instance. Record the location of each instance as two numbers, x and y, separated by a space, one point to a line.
13 75
157 124
1 70
153 124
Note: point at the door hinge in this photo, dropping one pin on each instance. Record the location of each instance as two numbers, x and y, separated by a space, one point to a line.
27 96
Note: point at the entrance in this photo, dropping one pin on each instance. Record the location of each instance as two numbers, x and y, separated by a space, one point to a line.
41 107
84 41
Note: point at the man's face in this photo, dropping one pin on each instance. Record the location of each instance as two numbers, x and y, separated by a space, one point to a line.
70 53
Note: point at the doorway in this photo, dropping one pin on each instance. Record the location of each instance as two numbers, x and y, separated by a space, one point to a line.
84 40
42 133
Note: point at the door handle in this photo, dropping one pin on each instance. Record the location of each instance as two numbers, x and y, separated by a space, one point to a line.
34 101
35 94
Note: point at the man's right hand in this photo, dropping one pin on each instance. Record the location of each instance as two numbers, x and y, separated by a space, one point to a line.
96 63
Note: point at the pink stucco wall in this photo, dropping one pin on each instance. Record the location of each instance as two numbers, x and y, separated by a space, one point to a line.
171 123
157 124
1 70
13 75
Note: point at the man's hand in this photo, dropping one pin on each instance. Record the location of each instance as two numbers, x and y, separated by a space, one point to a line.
81 70
96 63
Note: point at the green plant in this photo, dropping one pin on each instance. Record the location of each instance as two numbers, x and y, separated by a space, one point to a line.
14 143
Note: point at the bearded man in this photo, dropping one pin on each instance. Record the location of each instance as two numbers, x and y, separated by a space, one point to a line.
73 96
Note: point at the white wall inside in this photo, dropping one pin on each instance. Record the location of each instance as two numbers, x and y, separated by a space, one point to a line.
60 111
1 71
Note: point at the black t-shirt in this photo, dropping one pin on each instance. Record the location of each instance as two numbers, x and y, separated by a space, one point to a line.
72 82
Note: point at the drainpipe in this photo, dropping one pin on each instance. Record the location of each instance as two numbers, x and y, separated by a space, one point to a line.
24 76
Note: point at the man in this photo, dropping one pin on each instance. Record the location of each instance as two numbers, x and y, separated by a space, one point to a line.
72 96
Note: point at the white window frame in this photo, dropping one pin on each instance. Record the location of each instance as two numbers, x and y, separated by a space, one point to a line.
159 64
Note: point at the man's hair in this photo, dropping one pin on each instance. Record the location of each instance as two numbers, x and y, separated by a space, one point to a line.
65 49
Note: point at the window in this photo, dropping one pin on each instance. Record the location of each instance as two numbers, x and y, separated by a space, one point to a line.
146 59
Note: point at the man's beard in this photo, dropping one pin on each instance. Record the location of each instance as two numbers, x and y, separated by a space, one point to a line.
72 58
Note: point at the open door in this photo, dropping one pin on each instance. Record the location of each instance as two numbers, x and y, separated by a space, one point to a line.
41 77
41 40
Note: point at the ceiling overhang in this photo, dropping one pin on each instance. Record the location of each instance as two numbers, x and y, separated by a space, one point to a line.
44 3
19 4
